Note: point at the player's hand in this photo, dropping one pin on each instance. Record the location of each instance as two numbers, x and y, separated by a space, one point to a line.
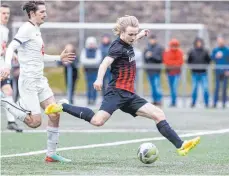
144 33
98 85
4 73
67 57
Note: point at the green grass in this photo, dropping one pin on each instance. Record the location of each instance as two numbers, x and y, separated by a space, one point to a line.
210 157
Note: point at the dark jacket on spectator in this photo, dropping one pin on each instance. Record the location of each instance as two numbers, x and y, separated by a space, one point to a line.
198 56
104 49
153 55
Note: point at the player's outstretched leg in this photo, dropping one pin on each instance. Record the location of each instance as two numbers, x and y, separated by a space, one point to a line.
80 112
155 113
84 113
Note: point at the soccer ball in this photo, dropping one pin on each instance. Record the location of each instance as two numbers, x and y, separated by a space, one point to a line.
147 153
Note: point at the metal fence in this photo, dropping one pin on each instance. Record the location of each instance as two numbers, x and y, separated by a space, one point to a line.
142 83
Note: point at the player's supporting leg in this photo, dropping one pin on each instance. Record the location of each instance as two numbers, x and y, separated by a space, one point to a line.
52 134
152 112
12 125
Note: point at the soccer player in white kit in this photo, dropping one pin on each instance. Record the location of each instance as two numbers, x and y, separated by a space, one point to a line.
33 86
6 83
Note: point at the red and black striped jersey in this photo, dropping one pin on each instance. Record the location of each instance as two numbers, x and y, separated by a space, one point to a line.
123 69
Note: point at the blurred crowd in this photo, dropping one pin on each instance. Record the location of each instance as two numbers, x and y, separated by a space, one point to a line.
155 58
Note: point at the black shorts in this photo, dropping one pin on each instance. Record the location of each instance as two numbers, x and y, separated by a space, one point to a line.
128 102
5 82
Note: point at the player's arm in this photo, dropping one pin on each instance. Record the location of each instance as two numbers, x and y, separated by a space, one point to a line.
5 71
64 57
102 70
10 52
143 33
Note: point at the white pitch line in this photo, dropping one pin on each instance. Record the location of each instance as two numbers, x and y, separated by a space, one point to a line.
102 131
117 143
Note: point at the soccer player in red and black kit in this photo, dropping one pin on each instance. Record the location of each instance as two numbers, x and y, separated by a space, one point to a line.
120 92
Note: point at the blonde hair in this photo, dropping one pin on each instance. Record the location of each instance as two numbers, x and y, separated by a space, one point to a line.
123 22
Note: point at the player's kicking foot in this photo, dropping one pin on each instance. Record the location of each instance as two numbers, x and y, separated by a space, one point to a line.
187 146
56 158
55 107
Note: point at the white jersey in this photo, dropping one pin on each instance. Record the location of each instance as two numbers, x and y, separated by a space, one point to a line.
31 51
4 40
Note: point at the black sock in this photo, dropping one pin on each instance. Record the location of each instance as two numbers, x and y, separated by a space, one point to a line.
169 133
80 112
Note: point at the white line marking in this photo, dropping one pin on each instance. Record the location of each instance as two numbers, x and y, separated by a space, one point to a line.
102 131
116 143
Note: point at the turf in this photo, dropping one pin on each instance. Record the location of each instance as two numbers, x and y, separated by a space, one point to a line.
210 157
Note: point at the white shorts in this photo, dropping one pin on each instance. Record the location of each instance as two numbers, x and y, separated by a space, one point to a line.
33 92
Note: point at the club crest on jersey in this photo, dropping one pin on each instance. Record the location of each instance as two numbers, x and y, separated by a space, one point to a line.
131 56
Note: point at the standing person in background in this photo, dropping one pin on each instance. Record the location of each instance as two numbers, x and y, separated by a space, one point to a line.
173 60
6 83
153 55
90 58
73 70
199 56
104 47
220 55
139 63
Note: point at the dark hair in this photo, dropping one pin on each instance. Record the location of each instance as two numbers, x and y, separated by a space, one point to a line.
152 36
32 6
5 5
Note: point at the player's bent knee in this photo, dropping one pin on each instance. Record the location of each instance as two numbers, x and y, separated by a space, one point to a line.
33 121
54 116
159 115
35 124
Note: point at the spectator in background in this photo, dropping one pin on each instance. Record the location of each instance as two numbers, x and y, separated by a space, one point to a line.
71 73
199 56
91 58
153 55
139 63
105 45
220 55
173 60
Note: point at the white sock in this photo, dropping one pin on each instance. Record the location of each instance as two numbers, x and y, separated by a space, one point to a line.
53 138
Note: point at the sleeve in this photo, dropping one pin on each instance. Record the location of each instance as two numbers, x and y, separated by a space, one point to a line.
10 52
213 54
51 58
189 57
24 34
181 59
207 57
115 51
